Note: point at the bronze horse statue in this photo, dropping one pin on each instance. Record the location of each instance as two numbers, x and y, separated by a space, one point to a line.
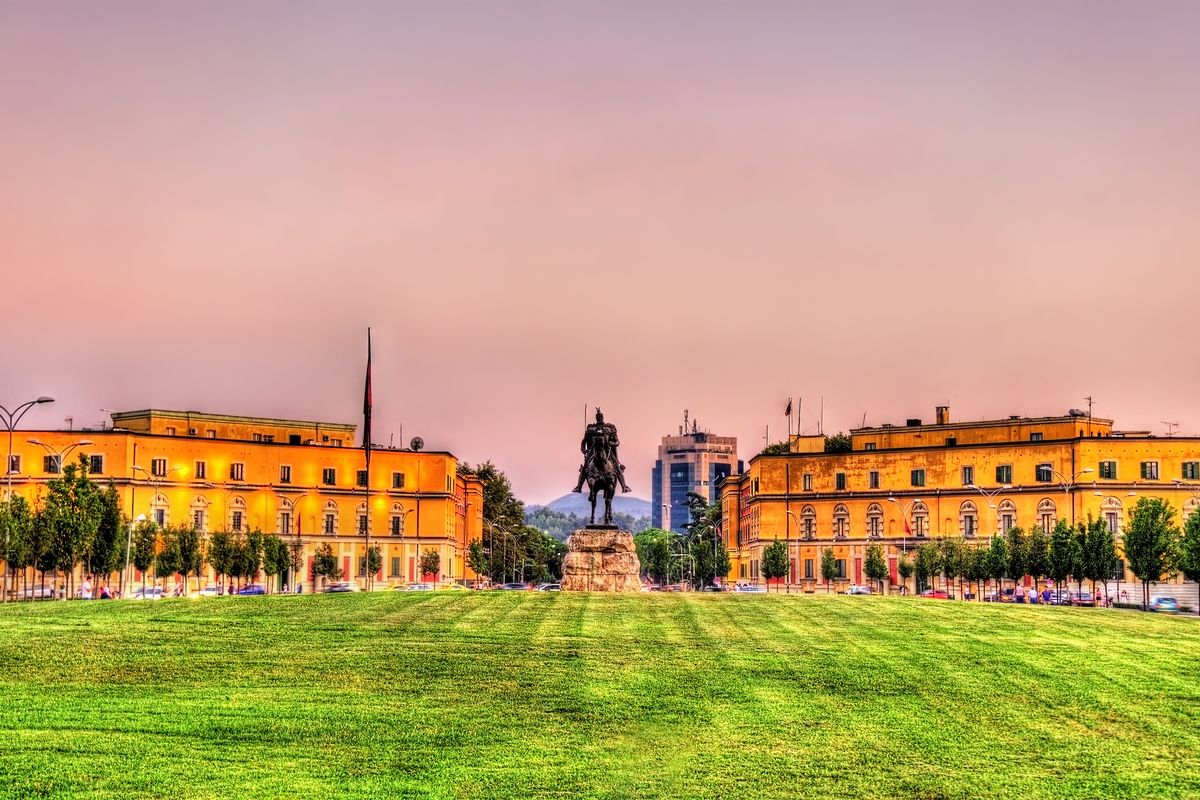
601 477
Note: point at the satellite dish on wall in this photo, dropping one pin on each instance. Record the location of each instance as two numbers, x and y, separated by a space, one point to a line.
417 443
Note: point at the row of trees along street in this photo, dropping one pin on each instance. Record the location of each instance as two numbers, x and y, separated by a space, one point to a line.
510 550
1153 547
697 557
78 524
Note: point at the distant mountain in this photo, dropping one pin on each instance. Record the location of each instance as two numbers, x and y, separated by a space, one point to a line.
577 504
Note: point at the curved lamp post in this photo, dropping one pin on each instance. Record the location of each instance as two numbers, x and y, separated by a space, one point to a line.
60 456
1068 482
10 420
992 496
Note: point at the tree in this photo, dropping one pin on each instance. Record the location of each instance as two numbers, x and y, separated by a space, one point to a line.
145 545
167 561
295 560
1189 552
1037 554
1017 546
107 552
775 562
374 561
1151 542
1099 553
996 564
654 553
71 516
499 503
222 551
190 544
431 563
874 566
929 563
776 449
838 443
1061 559
976 568
1079 554
829 567
906 568
710 559
17 522
275 557
252 554
325 564
950 555
477 558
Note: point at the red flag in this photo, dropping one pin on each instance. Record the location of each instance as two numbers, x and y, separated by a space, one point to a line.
788 412
907 530
367 402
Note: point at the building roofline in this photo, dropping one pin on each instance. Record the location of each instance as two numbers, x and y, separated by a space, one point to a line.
236 418
983 423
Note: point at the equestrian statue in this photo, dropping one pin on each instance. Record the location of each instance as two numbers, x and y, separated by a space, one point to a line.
602 469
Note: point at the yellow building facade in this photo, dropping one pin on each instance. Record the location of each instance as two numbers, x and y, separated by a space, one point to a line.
904 484
288 477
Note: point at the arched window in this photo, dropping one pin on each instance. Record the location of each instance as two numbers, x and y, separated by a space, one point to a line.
1189 507
1047 514
808 522
920 519
285 517
160 510
968 519
874 520
237 515
396 520
1006 514
200 514
360 514
841 521
1110 508
331 517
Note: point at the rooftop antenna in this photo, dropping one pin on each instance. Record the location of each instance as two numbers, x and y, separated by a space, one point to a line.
685 420
1089 399
71 423
1171 428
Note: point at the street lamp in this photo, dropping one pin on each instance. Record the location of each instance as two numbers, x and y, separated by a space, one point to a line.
59 456
905 511
1067 483
127 579
992 497
10 420
404 512
787 586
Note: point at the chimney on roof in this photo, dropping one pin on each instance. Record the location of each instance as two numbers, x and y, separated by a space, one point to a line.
943 415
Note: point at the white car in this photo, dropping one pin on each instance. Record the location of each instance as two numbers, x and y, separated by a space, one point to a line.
150 593
747 588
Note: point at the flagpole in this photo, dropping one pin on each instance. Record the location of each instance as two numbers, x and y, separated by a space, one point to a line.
367 403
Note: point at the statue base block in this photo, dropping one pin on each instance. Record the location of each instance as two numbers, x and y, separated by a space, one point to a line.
601 559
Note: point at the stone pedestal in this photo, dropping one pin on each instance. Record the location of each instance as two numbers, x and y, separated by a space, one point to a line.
601 559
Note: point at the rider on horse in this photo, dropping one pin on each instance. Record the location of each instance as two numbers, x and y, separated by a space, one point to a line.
599 446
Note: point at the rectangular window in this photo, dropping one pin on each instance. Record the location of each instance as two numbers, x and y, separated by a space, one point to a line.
268 437
1108 470
394 572
285 523
360 479
14 465
201 470
1044 473
210 433
258 437
237 521
285 473
329 523
874 479
362 524
1149 470
198 520
170 431
869 446
918 477
968 525
808 568
160 517
329 476
158 467
362 566
951 441
397 526
807 482
1006 523
1004 474
968 476
397 480
1191 470
840 479
1035 437
237 471
1112 519
841 569
95 465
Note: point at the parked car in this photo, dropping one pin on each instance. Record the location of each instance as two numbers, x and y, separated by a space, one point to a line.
550 587
252 589
858 589
341 586
514 587
1083 599
934 594
713 589
417 587
38 592
750 588
1167 605
207 591
150 593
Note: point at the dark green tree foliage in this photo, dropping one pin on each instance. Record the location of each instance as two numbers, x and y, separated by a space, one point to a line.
167 561
499 503
976 567
1037 554
838 443
1062 553
929 563
477 558
325 564
654 553
431 563
829 568
275 557
252 554
996 563
107 553
222 552
16 523
1017 546
295 559
775 449
1099 552
145 547
561 525
905 568
1151 542
875 566
190 544
374 561
72 516
1079 554
950 556
1189 552
775 562
544 556
705 546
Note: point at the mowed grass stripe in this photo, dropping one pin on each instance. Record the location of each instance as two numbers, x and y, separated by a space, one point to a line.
541 695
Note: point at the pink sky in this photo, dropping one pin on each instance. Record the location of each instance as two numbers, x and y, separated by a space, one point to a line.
891 205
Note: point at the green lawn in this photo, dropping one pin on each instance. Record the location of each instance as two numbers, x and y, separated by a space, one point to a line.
508 694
